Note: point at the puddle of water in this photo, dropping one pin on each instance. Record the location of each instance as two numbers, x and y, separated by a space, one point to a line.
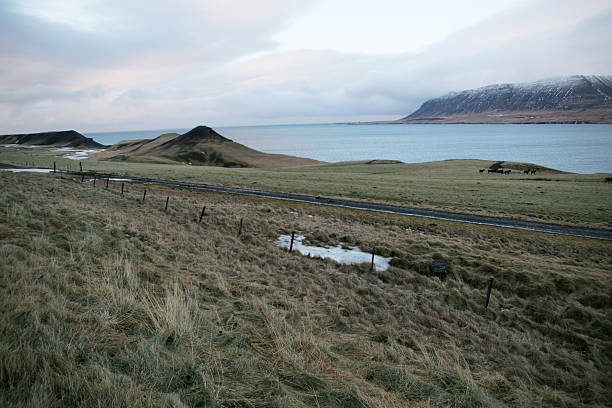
353 255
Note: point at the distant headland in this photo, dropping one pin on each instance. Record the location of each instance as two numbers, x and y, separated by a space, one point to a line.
575 99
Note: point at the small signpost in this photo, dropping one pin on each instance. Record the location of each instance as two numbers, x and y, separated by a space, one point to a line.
439 268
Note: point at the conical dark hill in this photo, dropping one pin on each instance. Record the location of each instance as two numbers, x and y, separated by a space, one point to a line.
197 135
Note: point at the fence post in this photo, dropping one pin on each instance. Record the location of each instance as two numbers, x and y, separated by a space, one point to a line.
107 178
121 188
94 184
372 263
81 166
144 195
166 207
291 244
489 293
201 214
53 167
240 228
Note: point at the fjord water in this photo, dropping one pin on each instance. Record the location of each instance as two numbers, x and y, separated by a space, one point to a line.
574 148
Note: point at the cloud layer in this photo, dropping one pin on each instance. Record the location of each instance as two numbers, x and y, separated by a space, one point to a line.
94 65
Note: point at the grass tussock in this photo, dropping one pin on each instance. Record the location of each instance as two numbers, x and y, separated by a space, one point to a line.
110 301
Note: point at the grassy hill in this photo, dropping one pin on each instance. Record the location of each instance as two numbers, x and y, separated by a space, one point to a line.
200 146
107 300
451 185
65 138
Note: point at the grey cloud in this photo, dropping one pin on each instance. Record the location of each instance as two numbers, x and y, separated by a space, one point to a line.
212 87
42 93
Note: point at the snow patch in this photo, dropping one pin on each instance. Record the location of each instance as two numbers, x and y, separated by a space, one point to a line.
351 256
29 170
78 153
23 146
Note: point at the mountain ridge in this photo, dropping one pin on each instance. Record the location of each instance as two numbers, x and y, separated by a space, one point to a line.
63 138
574 99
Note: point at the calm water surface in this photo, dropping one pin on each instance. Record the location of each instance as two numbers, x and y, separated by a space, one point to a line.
575 148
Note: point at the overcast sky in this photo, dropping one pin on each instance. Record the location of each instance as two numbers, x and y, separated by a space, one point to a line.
103 65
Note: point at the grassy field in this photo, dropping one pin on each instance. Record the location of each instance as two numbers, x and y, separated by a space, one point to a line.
110 301
453 185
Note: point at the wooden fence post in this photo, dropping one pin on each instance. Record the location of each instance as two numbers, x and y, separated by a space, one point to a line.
166 207
489 293
81 166
94 184
121 188
107 178
291 244
372 263
202 214
240 228
144 195
54 168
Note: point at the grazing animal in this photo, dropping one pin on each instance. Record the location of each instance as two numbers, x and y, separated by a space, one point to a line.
491 171
533 171
526 171
481 170
608 179
500 171
507 171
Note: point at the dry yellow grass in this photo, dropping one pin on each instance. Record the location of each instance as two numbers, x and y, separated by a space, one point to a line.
451 185
110 301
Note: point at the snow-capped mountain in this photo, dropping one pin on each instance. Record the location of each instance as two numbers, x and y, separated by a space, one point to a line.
586 99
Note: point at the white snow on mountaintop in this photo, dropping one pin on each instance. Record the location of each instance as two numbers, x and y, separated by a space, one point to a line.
550 85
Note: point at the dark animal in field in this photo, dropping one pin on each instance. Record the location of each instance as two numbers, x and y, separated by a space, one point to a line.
608 179
507 171
526 171
533 171
481 170
500 171
491 171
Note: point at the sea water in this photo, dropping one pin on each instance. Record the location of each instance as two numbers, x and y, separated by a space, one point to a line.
573 148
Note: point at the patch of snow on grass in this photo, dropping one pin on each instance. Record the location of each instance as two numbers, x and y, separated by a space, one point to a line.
351 256
23 146
29 170
78 154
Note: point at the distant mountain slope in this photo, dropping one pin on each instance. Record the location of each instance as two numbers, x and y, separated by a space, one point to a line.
200 146
583 99
65 138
